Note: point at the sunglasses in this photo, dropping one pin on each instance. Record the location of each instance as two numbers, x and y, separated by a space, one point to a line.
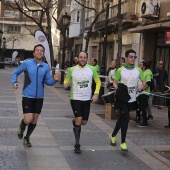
130 56
161 64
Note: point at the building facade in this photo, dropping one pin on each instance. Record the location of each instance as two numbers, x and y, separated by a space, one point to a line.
145 28
19 30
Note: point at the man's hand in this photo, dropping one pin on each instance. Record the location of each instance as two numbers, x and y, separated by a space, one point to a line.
57 76
95 98
66 85
140 88
16 85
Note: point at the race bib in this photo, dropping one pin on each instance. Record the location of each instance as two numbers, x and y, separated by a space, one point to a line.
84 85
132 90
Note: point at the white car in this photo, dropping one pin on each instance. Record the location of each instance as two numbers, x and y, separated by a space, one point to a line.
25 60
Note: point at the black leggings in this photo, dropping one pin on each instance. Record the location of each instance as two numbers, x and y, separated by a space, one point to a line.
122 122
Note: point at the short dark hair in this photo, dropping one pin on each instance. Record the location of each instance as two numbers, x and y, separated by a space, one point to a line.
38 45
145 64
129 51
123 59
83 52
95 60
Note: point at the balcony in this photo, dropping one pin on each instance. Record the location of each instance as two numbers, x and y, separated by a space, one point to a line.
127 18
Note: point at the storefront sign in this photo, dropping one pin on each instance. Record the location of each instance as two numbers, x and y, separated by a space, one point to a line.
167 36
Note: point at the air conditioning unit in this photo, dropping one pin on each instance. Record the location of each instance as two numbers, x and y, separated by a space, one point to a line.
149 8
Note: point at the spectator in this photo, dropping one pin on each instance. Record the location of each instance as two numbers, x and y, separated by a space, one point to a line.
97 68
110 72
160 75
95 65
55 62
75 61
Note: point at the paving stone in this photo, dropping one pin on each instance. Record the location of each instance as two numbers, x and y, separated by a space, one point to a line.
103 160
9 139
9 112
149 138
13 160
9 122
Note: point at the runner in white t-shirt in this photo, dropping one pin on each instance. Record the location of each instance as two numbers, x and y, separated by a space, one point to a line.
81 77
129 75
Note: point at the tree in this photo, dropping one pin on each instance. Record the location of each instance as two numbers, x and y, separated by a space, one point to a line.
42 9
97 8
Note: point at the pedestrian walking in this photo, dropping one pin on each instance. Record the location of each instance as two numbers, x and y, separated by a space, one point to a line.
37 73
81 77
127 75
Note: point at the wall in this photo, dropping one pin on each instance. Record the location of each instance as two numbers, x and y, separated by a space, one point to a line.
149 45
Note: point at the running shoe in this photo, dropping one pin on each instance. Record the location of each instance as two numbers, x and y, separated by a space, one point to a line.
150 118
123 147
112 140
137 120
143 125
167 127
77 148
73 122
26 142
20 132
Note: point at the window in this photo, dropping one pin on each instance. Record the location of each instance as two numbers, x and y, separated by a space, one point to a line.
14 29
35 14
11 14
78 16
68 2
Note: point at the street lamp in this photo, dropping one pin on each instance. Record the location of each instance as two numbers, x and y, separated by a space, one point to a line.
3 48
3 41
1 33
65 22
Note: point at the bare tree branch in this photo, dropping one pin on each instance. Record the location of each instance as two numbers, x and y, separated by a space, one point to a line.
86 6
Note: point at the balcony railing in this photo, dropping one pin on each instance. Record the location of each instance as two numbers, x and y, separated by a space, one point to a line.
126 17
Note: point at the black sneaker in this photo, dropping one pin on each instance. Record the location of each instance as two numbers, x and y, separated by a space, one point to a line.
26 142
137 120
77 148
20 132
143 125
167 127
150 118
73 122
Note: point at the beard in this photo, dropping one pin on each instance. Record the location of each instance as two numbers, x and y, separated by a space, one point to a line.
82 65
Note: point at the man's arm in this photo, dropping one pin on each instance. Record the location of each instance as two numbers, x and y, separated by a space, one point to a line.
143 86
16 73
115 84
96 92
67 80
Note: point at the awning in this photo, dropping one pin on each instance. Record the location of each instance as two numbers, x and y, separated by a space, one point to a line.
158 27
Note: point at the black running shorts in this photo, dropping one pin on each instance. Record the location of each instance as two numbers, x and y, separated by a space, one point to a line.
81 108
32 105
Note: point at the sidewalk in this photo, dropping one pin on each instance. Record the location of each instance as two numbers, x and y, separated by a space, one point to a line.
53 138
